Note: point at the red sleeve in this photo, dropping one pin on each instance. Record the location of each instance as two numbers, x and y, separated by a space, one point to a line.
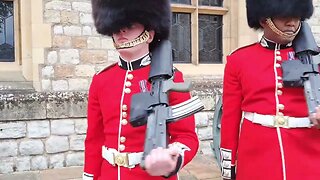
183 132
231 116
95 138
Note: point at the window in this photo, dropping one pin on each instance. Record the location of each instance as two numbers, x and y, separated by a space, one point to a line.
196 33
7 47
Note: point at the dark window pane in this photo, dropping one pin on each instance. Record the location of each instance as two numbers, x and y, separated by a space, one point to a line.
210 2
181 1
6 32
210 39
181 37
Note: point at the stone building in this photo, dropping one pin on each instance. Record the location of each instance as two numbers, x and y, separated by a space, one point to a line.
49 50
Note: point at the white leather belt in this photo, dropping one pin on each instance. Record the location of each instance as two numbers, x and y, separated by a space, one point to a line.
114 157
278 121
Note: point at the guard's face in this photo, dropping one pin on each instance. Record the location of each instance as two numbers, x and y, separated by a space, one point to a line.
287 25
128 33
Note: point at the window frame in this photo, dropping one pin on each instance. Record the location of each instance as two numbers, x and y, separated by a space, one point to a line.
194 10
16 65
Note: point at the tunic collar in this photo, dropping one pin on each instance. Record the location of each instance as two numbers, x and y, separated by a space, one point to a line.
272 45
135 64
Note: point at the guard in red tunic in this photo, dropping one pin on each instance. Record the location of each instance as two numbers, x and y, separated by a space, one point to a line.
266 133
113 148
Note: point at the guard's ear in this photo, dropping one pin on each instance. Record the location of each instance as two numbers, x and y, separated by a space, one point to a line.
151 36
263 22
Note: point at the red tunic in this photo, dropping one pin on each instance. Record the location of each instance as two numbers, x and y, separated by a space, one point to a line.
253 83
108 123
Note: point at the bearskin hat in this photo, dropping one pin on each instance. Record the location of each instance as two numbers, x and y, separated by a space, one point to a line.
261 9
112 15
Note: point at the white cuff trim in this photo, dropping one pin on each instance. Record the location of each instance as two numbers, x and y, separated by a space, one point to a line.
87 176
226 155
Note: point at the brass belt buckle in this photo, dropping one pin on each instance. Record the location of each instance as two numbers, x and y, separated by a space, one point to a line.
121 159
281 121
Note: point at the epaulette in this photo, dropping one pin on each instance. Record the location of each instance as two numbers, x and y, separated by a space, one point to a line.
242 47
106 68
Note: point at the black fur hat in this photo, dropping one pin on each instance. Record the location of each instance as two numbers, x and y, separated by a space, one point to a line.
112 15
260 9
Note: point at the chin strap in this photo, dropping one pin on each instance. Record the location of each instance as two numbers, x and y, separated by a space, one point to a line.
280 33
142 38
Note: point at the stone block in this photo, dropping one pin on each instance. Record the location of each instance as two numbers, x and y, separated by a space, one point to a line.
31 147
201 119
75 159
38 129
72 30
52 57
69 56
93 56
6 165
61 41
205 133
94 43
12 130
86 18
23 163
59 85
81 126
39 163
56 144
22 106
62 127
82 7
79 42
78 84
8 148
77 142
63 71
58 5
69 17
57 161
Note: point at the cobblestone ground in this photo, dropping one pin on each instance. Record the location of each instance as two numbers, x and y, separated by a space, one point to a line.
202 167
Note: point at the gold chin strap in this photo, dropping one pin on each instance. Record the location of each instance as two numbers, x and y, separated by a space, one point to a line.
142 38
280 33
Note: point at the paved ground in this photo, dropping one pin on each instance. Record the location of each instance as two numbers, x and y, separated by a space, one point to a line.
202 167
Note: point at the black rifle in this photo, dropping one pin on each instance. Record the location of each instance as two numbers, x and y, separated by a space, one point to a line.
152 108
304 73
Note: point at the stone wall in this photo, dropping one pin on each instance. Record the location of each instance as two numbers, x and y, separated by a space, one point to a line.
45 130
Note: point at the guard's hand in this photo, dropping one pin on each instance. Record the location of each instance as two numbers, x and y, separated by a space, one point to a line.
161 162
315 118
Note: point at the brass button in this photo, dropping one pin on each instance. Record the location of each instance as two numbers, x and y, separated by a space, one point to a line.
277 52
281 106
279 77
122 147
280 85
124 122
122 139
278 58
281 120
127 90
280 114
130 76
124 107
279 92
278 65
124 114
127 84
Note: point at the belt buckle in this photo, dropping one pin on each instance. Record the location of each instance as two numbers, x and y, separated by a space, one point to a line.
281 121
121 159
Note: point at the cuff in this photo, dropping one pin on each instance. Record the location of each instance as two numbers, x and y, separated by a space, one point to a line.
87 176
228 170
181 149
